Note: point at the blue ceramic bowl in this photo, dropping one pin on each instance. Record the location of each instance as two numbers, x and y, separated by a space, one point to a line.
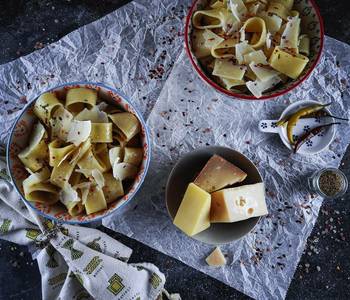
18 140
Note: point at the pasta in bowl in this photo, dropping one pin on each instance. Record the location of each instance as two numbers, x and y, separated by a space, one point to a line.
78 152
254 49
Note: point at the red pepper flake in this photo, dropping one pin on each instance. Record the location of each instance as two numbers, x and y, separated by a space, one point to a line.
206 130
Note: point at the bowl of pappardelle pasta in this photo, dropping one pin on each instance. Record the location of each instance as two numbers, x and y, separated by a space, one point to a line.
78 152
254 49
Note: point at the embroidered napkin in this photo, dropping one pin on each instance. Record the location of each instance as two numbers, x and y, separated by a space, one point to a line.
75 262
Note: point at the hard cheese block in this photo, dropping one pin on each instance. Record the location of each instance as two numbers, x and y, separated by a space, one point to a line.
192 216
237 204
216 258
217 174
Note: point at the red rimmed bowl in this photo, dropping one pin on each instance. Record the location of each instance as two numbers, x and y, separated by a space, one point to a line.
19 139
311 24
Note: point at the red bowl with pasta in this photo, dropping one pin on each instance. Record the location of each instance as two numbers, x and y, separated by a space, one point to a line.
311 26
66 176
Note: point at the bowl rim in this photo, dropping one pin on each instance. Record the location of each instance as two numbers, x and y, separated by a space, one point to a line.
176 166
246 97
131 195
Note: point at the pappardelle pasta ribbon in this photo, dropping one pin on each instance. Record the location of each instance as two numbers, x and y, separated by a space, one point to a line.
234 35
76 261
68 157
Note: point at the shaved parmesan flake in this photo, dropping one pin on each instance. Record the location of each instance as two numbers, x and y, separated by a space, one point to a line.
80 151
257 87
67 195
256 56
255 8
290 35
228 20
230 83
85 172
211 39
262 73
82 185
99 179
68 154
239 10
37 135
268 40
102 105
227 69
242 34
242 49
84 190
273 22
29 171
123 170
79 132
34 178
60 123
95 115
115 155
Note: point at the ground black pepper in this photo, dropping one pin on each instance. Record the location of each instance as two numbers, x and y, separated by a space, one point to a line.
330 183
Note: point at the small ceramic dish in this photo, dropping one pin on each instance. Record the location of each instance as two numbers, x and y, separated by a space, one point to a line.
185 171
314 145
311 24
19 139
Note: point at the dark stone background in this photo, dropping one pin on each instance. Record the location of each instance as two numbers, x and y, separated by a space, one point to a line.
324 270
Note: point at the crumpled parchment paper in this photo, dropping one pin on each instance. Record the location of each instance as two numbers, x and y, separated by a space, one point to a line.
134 49
189 114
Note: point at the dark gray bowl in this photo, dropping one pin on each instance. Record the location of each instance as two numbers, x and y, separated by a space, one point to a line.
185 171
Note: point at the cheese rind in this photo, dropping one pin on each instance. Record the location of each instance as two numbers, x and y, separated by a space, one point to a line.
216 258
237 204
192 216
217 174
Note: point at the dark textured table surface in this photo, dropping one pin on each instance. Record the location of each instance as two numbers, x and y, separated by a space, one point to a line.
324 269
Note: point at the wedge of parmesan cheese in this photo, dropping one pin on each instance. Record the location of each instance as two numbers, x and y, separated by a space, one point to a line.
216 258
257 87
79 132
217 174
